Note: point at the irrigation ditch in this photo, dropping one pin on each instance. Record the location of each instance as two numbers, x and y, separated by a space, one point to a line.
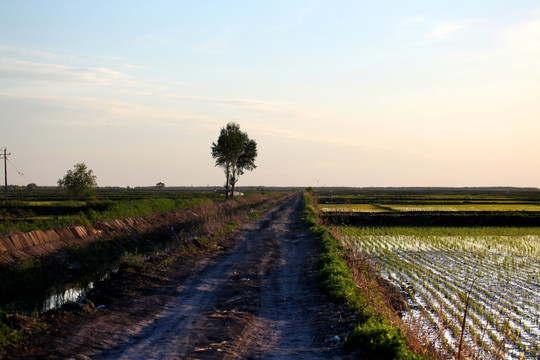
43 270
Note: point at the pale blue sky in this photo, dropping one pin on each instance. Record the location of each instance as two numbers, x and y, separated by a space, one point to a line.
352 93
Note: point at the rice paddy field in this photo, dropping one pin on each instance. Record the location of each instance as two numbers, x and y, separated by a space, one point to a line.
478 286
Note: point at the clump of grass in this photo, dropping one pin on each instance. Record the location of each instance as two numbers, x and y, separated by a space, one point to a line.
233 225
8 336
379 339
131 263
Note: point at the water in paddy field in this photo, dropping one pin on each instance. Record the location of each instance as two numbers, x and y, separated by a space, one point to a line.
499 272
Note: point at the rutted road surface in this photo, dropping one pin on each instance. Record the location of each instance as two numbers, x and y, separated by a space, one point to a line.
258 300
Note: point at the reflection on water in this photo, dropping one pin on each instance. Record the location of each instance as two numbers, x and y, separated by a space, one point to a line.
58 299
55 298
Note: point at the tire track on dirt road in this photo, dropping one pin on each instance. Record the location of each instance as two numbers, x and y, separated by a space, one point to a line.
181 328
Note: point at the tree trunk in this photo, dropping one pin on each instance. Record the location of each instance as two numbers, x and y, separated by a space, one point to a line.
233 181
227 175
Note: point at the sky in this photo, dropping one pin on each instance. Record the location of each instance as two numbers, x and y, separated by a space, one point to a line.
335 93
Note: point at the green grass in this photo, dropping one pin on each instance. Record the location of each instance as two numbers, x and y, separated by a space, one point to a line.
45 215
378 339
8 336
131 263
375 337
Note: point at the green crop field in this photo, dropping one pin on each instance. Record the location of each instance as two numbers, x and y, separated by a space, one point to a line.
364 208
51 208
438 266
338 208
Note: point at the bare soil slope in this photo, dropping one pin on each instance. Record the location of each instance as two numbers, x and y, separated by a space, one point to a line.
256 299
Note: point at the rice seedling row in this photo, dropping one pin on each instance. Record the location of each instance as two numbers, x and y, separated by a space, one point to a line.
438 267
377 208
351 208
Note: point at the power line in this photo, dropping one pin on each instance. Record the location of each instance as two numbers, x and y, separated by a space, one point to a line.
18 171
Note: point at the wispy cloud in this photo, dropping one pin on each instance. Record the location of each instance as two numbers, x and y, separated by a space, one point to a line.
431 30
444 29
29 71
239 102
281 131
32 71
131 66
27 52
84 111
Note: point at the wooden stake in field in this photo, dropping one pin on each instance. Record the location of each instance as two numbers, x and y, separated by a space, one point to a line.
467 302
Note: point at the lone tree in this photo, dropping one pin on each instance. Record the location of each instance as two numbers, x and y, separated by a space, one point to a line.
235 152
79 182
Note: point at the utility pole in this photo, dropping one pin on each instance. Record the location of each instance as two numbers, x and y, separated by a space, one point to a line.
5 155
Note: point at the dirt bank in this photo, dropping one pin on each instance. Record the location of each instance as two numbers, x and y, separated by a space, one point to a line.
17 246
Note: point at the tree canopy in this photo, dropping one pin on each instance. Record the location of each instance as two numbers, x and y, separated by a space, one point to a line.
79 182
235 152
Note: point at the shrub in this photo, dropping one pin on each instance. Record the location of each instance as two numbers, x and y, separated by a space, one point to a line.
378 339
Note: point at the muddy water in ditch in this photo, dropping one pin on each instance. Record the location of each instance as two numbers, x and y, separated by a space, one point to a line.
54 298
61 294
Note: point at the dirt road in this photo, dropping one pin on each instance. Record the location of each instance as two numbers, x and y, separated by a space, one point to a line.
257 300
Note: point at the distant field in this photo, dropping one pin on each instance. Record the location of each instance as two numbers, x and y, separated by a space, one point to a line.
329 208
430 196
51 208
467 207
